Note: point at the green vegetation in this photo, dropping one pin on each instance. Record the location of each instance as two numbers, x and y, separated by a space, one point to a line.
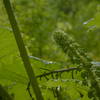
60 56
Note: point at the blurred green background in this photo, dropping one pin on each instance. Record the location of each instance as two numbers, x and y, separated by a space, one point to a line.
37 20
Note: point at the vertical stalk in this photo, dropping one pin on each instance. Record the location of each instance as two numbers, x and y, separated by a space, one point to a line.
22 50
59 95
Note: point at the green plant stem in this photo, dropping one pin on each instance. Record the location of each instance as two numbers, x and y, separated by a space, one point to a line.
22 50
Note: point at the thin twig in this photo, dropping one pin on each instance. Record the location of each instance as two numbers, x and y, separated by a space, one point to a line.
57 71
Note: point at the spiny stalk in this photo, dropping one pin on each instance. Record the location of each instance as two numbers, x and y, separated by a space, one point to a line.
77 56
